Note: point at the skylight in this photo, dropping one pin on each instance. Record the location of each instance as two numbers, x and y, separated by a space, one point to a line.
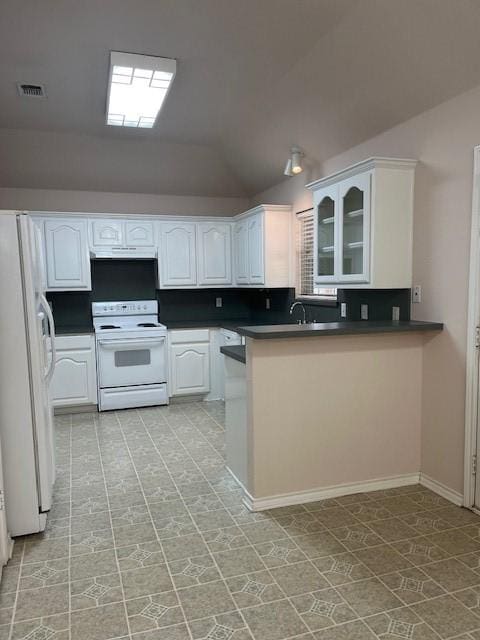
137 88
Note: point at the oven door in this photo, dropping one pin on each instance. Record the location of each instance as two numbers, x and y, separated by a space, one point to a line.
131 361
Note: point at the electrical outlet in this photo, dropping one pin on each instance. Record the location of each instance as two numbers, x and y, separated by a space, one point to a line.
417 293
218 302
267 303
364 311
343 309
395 314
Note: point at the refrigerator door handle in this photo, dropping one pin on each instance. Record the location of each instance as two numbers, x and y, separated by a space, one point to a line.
51 325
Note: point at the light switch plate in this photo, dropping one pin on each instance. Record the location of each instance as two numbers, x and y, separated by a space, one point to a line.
218 302
364 311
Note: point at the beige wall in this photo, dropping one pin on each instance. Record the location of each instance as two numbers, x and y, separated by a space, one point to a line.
442 139
129 203
357 418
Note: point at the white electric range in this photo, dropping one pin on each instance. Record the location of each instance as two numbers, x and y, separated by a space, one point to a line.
131 354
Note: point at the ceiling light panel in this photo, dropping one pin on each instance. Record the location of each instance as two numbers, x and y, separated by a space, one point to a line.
137 88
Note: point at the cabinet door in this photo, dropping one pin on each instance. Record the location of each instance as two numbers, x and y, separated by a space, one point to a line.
138 234
256 260
107 233
214 253
67 255
177 254
325 235
189 369
354 231
241 252
74 379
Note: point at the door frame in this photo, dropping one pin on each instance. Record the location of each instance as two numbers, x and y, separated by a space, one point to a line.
473 322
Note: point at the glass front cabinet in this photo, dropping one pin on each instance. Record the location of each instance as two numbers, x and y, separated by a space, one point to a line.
363 223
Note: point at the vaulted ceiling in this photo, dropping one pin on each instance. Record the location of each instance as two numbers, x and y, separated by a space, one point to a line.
253 78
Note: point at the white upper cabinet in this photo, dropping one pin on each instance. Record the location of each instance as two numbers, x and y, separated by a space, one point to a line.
256 264
354 236
107 233
177 255
139 234
263 246
240 248
363 222
214 253
122 233
67 255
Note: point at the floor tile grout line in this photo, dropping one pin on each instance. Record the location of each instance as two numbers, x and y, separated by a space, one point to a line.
111 526
237 609
375 576
191 456
266 568
152 521
287 535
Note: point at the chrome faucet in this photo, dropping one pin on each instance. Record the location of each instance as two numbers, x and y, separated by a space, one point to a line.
300 304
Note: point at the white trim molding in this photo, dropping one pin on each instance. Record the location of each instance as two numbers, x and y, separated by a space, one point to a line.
471 394
360 167
441 489
335 491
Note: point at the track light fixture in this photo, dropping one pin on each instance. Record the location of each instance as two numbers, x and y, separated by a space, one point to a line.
294 162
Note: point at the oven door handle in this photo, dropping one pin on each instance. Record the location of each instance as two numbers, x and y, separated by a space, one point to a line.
131 344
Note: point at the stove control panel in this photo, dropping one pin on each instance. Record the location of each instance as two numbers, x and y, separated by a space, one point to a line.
129 308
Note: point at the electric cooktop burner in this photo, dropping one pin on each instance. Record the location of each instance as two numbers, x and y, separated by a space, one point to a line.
147 324
109 326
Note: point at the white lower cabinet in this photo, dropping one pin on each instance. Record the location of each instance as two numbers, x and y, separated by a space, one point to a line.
189 362
74 381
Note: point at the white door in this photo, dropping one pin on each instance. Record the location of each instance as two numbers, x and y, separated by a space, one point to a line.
354 228
189 369
108 233
256 260
214 253
326 252
67 254
139 234
131 361
241 252
177 259
74 379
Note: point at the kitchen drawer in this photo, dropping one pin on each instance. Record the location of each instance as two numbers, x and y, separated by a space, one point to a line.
180 336
84 341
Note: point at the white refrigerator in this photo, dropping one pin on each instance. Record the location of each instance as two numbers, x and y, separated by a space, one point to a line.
27 360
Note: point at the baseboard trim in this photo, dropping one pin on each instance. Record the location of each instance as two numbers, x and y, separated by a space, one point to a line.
334 491
75 408
441 490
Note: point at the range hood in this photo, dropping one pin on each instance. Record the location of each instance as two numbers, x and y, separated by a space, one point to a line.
124 252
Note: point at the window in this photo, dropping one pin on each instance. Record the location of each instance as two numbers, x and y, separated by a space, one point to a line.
305 285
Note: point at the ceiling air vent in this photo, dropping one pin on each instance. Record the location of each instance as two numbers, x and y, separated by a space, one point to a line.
31 90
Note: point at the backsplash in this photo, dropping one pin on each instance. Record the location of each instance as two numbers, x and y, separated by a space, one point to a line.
136 280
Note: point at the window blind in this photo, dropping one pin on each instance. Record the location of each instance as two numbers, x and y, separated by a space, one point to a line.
306 286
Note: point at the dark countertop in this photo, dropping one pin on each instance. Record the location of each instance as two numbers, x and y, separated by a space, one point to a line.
223 324
200 324
321 329
73 330
237 352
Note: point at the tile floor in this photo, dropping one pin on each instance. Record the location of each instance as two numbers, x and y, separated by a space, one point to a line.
148 540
